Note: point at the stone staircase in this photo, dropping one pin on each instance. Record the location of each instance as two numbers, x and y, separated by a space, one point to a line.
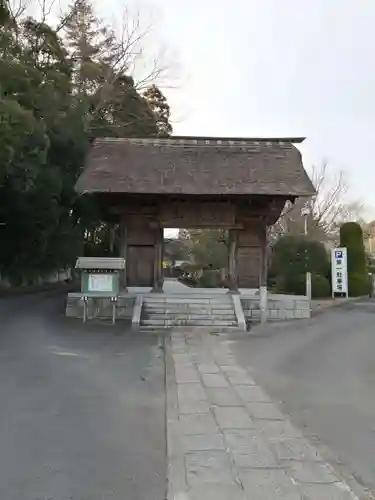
216 312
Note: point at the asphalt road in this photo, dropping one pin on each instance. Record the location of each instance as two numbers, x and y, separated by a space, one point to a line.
322 372
82 407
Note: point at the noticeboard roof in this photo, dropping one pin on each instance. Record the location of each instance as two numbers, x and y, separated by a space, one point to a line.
115 263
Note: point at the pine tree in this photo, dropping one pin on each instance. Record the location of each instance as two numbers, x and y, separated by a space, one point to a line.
129 112
92 47
160 107
4 13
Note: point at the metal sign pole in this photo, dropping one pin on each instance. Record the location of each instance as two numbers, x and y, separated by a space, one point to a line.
114 301
84 309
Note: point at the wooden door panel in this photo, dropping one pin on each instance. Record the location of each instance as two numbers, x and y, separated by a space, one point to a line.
140 266
248 266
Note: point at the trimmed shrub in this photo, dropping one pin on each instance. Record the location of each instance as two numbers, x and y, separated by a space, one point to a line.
209 279
320 287
359 285
351 237
298 254
296 284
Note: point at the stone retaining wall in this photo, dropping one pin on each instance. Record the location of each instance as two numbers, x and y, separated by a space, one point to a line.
56 277
99 308
279 309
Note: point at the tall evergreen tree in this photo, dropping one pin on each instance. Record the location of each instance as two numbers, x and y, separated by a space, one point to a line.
161 110
4 13
351 237
93 50
56 95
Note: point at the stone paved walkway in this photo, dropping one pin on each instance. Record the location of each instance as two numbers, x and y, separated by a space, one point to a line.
227 440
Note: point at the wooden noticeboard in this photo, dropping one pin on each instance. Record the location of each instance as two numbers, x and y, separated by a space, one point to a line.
100 283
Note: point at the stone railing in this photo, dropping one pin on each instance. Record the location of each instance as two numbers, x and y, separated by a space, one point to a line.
280 308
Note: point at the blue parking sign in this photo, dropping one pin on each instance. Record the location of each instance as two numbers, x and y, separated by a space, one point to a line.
338 254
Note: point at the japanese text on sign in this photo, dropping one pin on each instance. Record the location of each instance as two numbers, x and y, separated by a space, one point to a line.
339 271
100 282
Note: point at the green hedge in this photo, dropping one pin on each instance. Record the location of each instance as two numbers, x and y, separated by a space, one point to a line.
298 254
295 284
320 287
359 285
351 237
209 279
292 257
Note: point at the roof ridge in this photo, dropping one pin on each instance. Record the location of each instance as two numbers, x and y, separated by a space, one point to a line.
194 166
200 141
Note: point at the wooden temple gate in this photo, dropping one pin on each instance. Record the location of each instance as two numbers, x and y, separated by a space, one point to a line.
142 226
239 185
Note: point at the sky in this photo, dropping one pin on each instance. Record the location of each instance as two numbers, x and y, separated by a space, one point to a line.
250 68
276 68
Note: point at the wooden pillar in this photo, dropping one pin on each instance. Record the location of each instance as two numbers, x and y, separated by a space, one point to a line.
158 261
123 254
249 256
263 293
232 260
112 237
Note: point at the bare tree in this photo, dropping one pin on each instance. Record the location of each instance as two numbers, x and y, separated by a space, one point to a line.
18 8
325 211
138 52
120 48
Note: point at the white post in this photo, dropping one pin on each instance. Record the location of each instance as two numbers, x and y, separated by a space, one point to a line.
263 293
305 212
308 286
263 298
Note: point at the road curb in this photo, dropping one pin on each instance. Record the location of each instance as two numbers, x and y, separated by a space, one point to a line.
176 481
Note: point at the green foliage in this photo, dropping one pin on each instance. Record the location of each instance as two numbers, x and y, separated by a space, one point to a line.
130 113
292 257
298 255
23 146
210 279
295 284
160 109
4 13
208 248
351 237
56 95
320 286
176 249
359 284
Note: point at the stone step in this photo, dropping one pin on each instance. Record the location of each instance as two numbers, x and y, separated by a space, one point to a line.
187 300
187 304
192 317
197 310
186 322
206 329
